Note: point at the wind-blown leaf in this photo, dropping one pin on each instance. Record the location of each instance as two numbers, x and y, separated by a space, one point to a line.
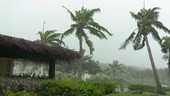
159 25
155 35
97 26
68 32
127 41
96 32
71 14
89 44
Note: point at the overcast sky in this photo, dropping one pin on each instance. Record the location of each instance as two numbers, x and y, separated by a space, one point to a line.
24 18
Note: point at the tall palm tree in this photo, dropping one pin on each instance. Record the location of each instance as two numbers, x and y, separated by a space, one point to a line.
166 49
147 21
49 37
115 69
83 23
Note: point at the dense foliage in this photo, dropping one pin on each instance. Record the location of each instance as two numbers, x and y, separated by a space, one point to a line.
21 93
69 88
146 88
18 84
109 87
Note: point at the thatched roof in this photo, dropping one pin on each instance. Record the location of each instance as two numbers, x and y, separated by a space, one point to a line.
11 47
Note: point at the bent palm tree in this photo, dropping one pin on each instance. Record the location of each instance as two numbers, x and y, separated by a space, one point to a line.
49 37
147 20
83 23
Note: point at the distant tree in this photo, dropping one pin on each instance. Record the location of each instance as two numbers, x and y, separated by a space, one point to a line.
84 23
71 67
66 67
115 69
147 20
139 75
92 67
163 73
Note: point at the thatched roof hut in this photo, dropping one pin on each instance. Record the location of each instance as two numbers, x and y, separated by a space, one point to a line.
14 48
11 47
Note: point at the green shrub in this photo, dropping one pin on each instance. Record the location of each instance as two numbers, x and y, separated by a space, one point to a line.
21 93
146 88
69 88
167 88
109 87
18 84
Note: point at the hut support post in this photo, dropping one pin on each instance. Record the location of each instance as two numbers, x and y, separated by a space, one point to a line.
52 69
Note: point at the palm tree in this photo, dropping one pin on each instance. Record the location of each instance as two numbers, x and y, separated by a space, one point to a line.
83 23
115 69
166 49
49 37
147 20
92 67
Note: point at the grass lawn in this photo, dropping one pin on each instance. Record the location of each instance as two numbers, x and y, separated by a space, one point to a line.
128 94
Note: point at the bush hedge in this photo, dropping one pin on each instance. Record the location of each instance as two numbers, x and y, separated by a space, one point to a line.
143 87
21 93
46 87
109 87
69 88
18 84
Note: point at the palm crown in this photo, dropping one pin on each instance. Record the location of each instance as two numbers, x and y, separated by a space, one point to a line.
84 21
147 21
50 37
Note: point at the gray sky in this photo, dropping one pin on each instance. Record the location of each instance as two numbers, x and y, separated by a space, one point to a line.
24 18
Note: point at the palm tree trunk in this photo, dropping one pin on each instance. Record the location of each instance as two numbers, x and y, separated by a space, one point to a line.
81 59
160 90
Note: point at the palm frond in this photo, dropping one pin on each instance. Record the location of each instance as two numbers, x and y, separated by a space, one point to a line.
136 42
73 17
159 25
135 16
68 32
155 35
61 42
41 35
99 27
140 45
127 41
89 44
96 32
152 13
90 13
52 37
165 44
